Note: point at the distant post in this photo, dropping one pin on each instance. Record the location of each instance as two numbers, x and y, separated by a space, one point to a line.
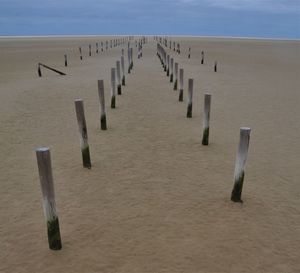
168 65
216 66
47 186
181 84
119 78
190 98
171 69
90 50
202 57
113 88
97 48
176 76
39 71
123 69
207 102
102 104
189 56
240 162
129 60
66 60
80 53
85 150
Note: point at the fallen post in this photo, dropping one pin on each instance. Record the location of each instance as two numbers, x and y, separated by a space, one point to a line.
50 68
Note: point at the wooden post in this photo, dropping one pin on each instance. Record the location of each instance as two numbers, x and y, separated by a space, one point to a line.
176 76
240 162
80 53
129 60
168 65
202 57
119 78
47 186
189 56
90 50
85 150
123 69
216 66
97 48
52 69
207 102
181 84
102 104
101 46
66 60
190 99
39 71
113 88
171 70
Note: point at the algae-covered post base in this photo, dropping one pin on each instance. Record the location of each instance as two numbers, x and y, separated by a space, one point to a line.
113 102
53 231
205 136
119 89
66 61
168 72
180 95
49 206
237 189
123 80
103 122
189 110
175 85
171 78
239 173
86 158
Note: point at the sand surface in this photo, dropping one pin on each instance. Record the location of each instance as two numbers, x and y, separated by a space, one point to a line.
155 200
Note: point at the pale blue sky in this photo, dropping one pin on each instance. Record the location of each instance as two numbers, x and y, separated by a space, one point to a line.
252 18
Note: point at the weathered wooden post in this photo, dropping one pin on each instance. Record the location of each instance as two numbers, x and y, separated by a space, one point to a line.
102 104
101 46
119 78
189 56
176 76
90 50
85 150
66 60
123 69
181 84
49 206
168 65
171 70
190 98
202 57
216 66
39 71
207 102
241 158
97 48
129 60
113 88
80 53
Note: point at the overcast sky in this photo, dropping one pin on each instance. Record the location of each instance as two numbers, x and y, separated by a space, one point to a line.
251 18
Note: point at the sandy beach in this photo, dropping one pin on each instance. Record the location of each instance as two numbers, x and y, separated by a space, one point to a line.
155 200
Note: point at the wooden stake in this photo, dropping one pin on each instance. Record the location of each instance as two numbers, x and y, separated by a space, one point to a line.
113 88
97 49
102 105
216 67
171 69
202 57
85 150
240 162
181 84
47 186
80 53
123 69
90 50
176 76
190 99
39 71
52 69
129 59
66 60
189 53
119 78
207 101
168 65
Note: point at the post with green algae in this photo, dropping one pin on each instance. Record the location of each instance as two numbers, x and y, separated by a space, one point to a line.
119 78
240 162
83 136
102 105
190 98
49 206
180 84
123 69
80 53
206 117
175 76
113 88
168 65
66 60
171 69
